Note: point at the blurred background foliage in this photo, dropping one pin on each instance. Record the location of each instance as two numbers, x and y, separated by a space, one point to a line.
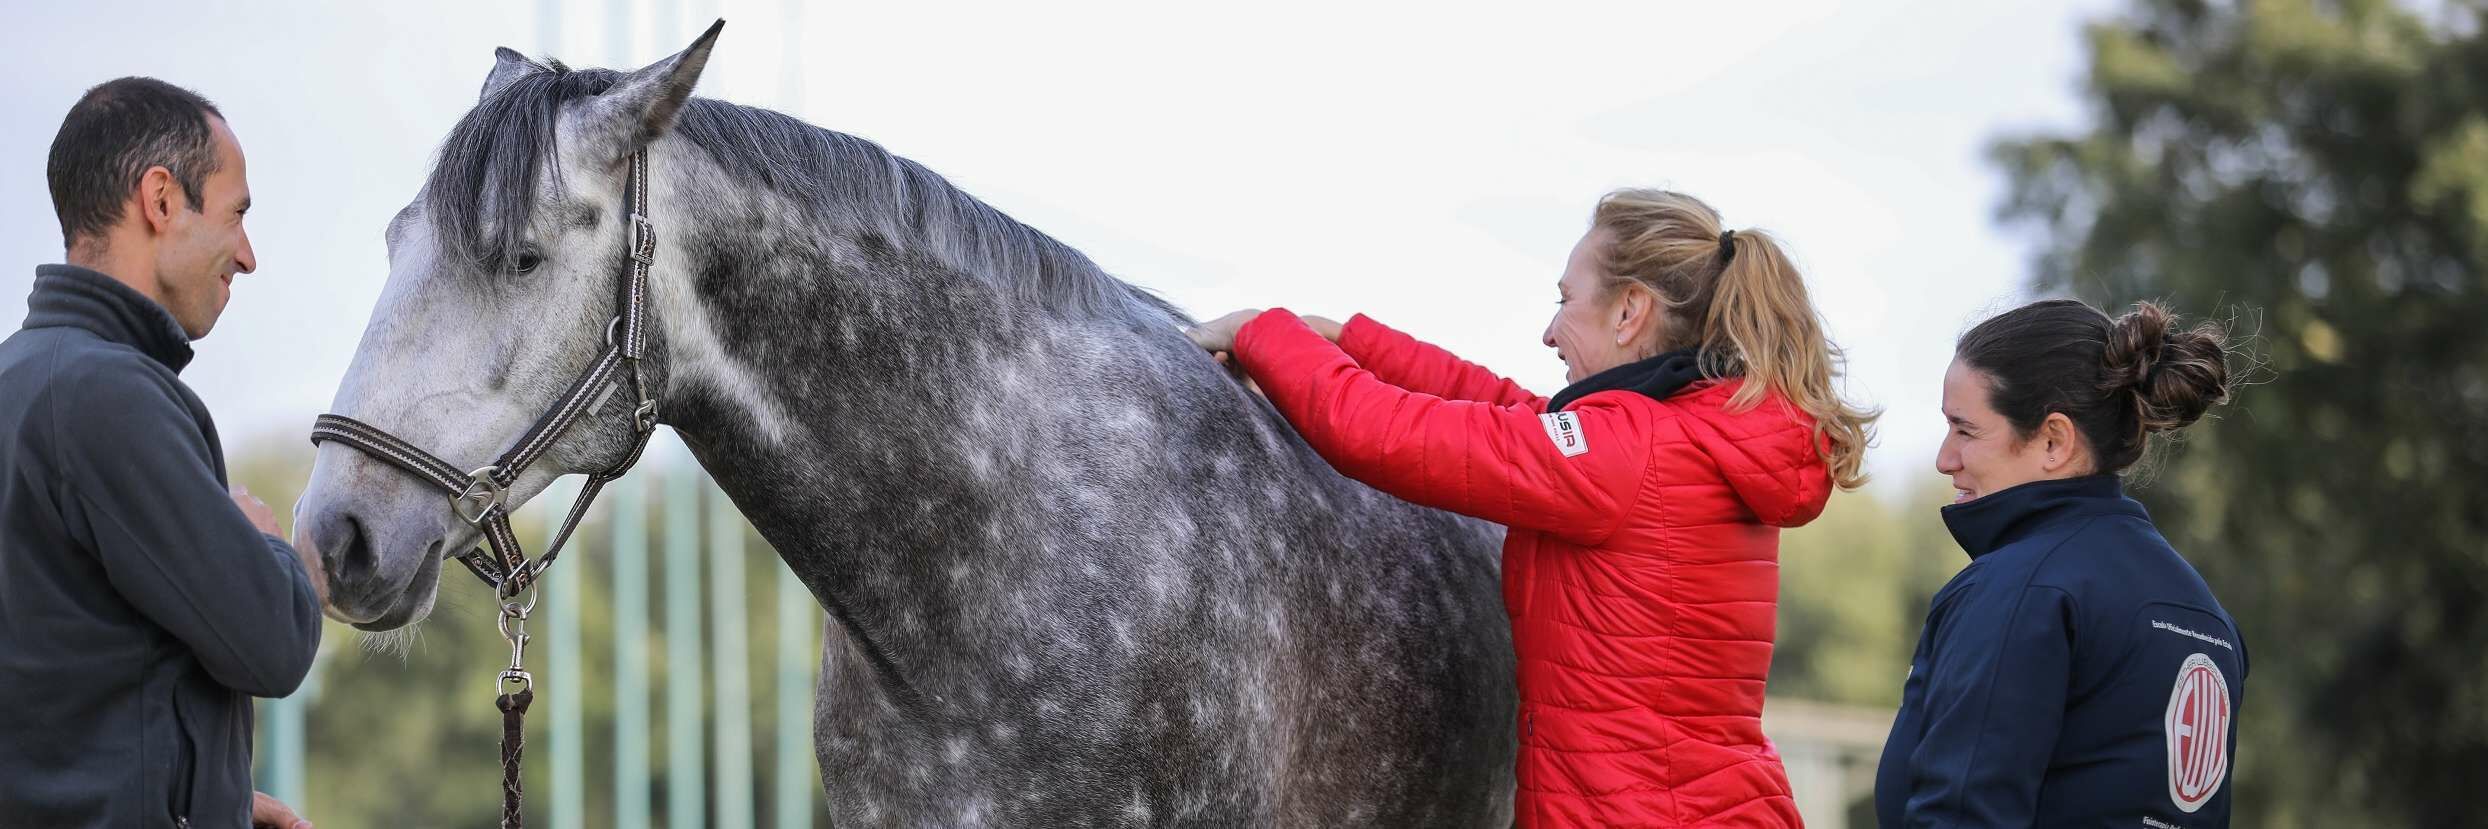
2319 172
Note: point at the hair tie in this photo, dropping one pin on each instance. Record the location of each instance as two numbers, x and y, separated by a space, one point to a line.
1727 246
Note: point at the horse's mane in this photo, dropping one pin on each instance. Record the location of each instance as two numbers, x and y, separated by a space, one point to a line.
482 192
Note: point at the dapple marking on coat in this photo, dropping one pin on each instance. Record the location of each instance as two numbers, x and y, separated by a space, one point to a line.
1076 575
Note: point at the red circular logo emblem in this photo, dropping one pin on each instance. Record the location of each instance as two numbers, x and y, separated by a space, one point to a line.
2198 733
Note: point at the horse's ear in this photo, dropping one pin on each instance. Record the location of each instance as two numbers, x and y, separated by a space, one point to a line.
642 105
507 65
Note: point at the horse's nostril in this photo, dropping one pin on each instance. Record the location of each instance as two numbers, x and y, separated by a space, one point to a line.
345 548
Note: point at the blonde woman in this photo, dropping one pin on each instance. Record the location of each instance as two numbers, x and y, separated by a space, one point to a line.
1644 500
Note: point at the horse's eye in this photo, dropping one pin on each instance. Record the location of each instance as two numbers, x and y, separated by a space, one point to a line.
526 261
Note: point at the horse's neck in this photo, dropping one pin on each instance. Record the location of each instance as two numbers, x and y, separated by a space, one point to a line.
924 463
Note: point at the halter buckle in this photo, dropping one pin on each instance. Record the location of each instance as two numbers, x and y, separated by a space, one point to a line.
643 240
483 492
645 417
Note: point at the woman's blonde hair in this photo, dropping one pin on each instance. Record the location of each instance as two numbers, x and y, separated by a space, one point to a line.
1737 297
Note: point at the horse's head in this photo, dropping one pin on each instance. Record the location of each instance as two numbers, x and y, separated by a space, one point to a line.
504 274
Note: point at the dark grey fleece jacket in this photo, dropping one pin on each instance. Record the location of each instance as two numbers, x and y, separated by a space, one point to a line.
139 609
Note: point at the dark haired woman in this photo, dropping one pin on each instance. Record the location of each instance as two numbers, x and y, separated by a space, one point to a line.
2078 671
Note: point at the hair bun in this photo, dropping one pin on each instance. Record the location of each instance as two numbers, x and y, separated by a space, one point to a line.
2175 375
2134 343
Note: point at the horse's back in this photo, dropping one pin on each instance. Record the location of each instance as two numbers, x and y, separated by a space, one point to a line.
1206 625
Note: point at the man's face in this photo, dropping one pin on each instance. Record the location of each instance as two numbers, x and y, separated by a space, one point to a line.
203 250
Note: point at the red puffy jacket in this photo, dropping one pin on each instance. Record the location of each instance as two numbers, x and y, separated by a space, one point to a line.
1640 569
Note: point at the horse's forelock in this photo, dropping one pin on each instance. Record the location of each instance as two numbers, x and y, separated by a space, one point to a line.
482 191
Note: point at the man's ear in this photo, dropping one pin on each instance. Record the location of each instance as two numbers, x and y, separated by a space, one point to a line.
158 195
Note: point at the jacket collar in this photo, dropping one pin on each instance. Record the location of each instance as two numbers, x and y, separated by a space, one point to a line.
1987 524
68 296
1655 377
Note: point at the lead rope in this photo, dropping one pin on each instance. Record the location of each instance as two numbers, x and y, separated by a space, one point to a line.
521 576
517 692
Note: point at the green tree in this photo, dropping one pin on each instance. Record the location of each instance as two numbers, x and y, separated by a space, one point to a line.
1854 589
2319 170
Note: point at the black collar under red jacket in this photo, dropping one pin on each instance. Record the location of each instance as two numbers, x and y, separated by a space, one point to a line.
2077 673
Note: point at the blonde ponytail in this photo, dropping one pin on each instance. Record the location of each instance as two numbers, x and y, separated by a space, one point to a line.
1737 296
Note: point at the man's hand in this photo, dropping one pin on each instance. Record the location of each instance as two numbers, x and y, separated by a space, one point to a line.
264 519
255 510
267 812
310 556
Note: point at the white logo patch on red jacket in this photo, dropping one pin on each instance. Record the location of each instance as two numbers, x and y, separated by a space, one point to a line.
1565 430
2198 733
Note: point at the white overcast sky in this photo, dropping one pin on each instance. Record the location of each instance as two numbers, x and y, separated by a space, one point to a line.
1426 163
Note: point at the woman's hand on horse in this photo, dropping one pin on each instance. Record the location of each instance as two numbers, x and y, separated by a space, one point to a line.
1218 335
1226 360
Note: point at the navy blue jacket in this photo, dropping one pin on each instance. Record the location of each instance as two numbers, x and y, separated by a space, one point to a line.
139 610
2077 673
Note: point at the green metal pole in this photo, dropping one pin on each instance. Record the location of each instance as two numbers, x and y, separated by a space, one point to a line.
685 786
630 653
281 734
565 675
795 778
282 720
562 664
630 578
797 614
728 602
549 26
618 35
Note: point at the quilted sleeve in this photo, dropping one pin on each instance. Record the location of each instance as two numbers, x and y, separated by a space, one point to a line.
1572 475
1419 366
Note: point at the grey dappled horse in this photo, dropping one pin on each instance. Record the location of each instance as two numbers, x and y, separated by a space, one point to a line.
1076 574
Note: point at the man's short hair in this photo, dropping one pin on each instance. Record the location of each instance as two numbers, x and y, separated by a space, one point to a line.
115 132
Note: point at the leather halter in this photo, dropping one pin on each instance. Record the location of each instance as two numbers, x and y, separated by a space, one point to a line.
481 497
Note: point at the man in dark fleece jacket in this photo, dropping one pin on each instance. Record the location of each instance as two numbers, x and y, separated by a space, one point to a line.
142 604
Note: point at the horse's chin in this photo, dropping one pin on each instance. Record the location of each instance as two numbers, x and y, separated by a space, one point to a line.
395 619
405 605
